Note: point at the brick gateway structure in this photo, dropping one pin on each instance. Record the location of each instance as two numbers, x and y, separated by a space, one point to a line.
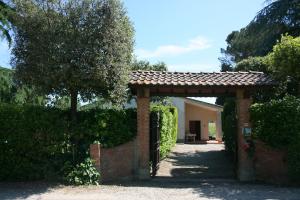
145 84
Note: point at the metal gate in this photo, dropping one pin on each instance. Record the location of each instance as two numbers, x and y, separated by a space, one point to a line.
154 142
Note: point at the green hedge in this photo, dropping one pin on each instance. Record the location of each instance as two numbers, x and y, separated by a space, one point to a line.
277 123
229 126
35 142
168 127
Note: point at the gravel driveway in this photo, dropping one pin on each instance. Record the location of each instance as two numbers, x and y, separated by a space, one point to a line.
155 189
197 161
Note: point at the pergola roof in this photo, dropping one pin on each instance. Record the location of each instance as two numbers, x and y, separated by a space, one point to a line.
157 78
198 84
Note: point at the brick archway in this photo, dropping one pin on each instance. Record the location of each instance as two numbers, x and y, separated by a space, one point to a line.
145 84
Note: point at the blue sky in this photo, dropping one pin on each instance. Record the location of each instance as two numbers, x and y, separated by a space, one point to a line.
185 34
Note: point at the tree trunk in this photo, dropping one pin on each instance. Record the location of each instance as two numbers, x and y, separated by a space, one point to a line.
73 116
74 95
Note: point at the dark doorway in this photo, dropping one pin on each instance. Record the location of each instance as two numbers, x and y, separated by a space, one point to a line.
195 128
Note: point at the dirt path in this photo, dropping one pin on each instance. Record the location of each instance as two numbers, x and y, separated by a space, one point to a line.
197 161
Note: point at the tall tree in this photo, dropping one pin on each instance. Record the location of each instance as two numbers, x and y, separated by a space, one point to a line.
79 48
261 34
5 21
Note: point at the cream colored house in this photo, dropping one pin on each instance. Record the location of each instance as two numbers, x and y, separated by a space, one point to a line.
194 117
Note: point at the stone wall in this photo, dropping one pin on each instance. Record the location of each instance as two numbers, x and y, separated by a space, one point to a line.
117 163
270 164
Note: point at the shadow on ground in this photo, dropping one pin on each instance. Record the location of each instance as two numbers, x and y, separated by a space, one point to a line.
23 190
197 161
210 164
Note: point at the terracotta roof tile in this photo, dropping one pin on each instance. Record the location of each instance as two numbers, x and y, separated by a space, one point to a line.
200 79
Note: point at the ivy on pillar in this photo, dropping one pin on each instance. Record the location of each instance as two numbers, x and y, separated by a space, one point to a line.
143 117
245 163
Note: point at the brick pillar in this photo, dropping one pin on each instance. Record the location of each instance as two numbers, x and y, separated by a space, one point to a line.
245 164
95 155
143 117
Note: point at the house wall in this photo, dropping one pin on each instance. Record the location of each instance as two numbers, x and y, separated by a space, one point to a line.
197 113
179 104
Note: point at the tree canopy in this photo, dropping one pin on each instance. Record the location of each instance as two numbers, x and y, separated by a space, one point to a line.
80 48
5 21
146 65
252 64
285 58
261 34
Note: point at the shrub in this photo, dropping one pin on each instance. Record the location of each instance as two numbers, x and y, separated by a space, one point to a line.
84 174
229 126
35 142
108 126
277 124
168 127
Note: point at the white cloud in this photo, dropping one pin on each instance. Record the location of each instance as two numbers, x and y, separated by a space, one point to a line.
194 67
194 44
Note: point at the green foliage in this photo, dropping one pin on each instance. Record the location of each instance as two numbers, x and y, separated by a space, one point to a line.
73 47
108 126
168 127
277 122
229 126
11 93
6 87
34 142
145 65
285 58
277 18
212 130
5 21
252 64
37 141
83 174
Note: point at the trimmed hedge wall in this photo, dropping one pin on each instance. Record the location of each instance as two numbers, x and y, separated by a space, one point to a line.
110 127
229 126
168 127
277 123
33 142
36 142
